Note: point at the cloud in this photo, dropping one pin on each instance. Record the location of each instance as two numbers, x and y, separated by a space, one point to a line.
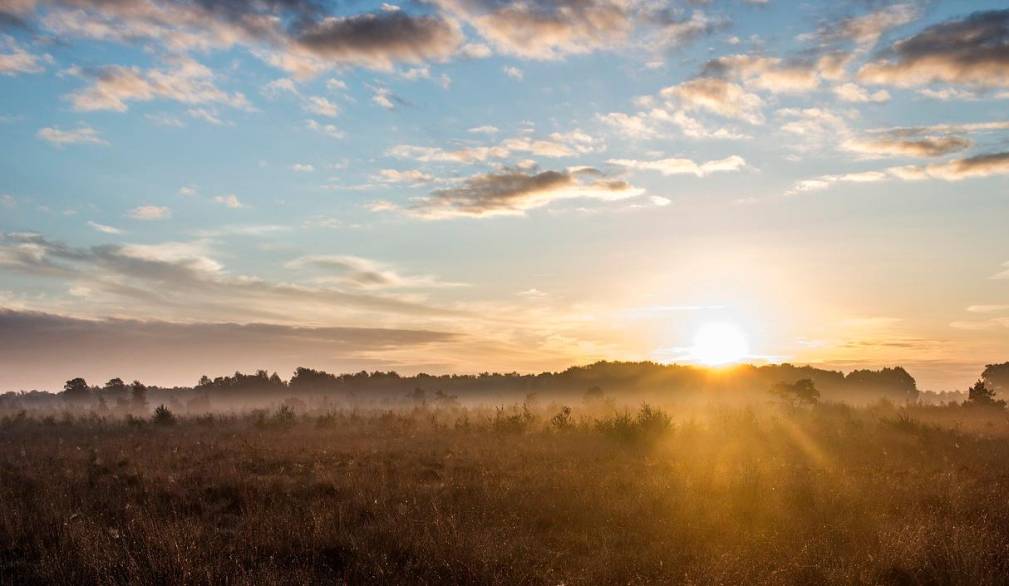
633 126
186 81
978 166
813 123
83 134
182 278
1004 274
546 29
328 129
229 200
717 96
413 176
513 72
825 181
987 308
906 143
684 166
103 228
513 191
766 73
973 50
362 273
486 129
321 106
556 145
378 40
284 85
865 30
672 29
302 168
166 352
150 213
984 165
850 92
16 60
384 97
208 116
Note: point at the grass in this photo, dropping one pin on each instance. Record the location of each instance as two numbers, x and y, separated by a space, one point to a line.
517 495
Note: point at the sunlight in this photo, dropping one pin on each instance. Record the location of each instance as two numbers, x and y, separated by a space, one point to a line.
719 343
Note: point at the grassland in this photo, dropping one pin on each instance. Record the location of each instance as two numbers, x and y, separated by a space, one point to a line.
717 495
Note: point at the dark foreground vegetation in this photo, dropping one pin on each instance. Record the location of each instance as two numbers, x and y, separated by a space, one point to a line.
790 492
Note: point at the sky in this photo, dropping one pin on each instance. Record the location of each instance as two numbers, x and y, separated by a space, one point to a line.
206 186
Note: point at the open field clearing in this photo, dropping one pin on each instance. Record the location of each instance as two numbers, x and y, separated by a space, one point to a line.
876 495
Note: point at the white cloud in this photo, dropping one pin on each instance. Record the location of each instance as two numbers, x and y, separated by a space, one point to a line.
302 168
850 92
81 135
327 129
513 72
321 106
16 60
149 212
229 200
208 116
186 81
383 97
684 166
104 228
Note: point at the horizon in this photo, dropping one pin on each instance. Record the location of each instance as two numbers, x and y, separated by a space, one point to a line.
723 369
469 185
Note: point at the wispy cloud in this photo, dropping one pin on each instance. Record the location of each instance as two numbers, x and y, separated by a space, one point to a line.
83 134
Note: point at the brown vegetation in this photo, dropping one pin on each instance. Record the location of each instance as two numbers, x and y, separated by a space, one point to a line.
590 495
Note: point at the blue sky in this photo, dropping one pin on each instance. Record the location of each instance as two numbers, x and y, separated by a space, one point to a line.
474 185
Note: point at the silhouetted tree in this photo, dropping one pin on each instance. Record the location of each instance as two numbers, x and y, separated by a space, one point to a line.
801 392
980 395
996 377
894 383
115 386
138 396
77 389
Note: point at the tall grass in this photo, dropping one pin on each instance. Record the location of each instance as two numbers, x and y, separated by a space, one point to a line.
549 495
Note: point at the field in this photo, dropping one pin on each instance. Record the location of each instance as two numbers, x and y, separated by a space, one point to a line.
716 495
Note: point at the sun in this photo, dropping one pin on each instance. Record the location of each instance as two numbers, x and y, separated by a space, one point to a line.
719 343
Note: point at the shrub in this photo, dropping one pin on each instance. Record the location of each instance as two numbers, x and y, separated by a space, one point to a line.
562 421
649 424
163 416
513 422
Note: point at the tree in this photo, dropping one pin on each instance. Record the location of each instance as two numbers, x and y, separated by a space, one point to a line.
115 386
801 392
138 396
980 395
996 377
77 389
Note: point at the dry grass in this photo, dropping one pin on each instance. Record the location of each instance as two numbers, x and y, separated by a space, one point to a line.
723 496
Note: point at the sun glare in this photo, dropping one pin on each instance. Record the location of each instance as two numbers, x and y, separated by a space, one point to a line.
719 343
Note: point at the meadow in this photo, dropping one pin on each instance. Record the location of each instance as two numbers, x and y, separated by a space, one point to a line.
534 494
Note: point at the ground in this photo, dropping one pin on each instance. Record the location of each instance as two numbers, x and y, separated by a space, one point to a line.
720 495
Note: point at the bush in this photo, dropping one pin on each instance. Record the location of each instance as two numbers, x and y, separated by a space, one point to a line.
513 422
562 421
283 418
163 416
650 424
